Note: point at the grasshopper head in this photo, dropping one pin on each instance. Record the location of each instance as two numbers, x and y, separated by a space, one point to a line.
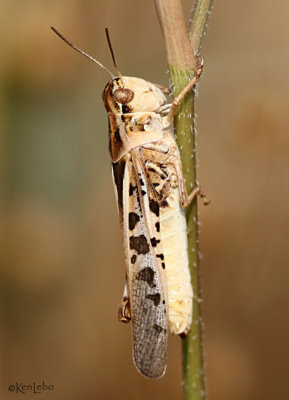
126 94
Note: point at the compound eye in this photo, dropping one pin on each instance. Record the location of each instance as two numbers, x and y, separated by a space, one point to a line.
123 95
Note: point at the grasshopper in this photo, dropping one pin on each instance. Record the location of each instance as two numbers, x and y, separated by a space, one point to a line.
151 195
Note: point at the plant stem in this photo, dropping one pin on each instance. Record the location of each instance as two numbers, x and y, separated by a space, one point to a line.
182 54
200 15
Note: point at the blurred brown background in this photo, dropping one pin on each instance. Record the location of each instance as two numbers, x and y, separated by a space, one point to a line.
62 269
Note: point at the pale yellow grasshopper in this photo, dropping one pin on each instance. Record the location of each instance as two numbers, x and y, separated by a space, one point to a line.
151 195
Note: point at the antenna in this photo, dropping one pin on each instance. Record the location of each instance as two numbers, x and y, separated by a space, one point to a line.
81 51
111 51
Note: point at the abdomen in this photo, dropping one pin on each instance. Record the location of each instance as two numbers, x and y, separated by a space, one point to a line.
174 242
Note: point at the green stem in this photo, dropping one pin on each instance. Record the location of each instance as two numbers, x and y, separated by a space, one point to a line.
193 363
182 53
200 15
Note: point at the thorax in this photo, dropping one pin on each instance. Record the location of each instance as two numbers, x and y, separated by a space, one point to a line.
128 131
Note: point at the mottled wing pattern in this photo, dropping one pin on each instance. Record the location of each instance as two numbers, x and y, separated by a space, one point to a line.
148 284
145 262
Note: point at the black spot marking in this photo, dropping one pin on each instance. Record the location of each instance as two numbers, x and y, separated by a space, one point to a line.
139 243
156 298
164 204
147 275
157 225
154 207
125 108
154 241
133 219
158 328
155 184
141 182
131 189
117 136
161 256
133 259
163 265
118 174
143 192
164 302
122 118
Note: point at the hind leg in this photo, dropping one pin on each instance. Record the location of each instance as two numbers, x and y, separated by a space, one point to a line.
124 314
